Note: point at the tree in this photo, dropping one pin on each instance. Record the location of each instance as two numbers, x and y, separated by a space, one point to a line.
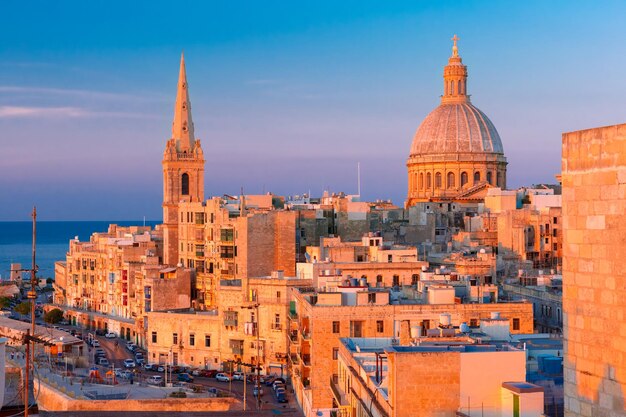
53 316
5 302
23 308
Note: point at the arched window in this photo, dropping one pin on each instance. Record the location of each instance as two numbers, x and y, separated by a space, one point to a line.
499 179
421 180
451 87
415 181
489 177
438 180
463 178
184 184
476 177
451 180
429 181
459 88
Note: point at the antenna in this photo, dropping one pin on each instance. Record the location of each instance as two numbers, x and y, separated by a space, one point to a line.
358 178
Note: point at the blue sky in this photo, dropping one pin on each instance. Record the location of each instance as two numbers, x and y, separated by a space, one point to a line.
286 96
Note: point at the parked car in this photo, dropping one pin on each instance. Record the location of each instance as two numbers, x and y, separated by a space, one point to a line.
155 380
110 335
237 376
281 397
222 377
131 346
278 384
256 391
129 363
103 362
149 367
208 373
184 377
95 343
159 368
140 361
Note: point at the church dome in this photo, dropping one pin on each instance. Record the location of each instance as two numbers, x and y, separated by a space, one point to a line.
456 128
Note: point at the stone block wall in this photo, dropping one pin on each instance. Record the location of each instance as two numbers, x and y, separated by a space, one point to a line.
594 271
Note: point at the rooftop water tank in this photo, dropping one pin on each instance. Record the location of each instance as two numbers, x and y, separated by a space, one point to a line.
444 319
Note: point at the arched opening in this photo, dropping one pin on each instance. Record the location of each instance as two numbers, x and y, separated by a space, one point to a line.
459 90
438 180
499 179
451 87
464 178
429 180
451 180
489 177
476 177
421 182
184 184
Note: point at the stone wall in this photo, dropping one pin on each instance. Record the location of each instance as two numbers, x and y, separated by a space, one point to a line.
594 265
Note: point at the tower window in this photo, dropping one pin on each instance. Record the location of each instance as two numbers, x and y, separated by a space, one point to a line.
459 88
421 181
428 180
489 177
451 87
463 178
185 184
476 177
451 180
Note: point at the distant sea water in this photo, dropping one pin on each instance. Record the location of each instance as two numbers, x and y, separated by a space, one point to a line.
52 242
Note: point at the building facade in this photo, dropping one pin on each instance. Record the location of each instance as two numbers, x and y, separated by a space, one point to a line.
594 283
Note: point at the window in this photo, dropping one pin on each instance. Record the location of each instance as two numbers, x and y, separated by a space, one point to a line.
207 340
335 327
192 339
184 184
489 177
555 220
463 178
555 246
414 279
380 326
473 323
515 324
154 337
451 180
438 180
396 281
356 328
335 353
476 177
421 181
379 280
459 88
371 297
226 235
428 180
278 296
174 338
277 321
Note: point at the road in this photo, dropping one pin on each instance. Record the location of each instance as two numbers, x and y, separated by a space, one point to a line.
117 353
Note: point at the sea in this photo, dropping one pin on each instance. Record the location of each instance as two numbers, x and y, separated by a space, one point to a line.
52 242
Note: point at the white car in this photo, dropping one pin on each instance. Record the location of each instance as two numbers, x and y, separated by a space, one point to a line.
129 363
110 335
222 377
155 380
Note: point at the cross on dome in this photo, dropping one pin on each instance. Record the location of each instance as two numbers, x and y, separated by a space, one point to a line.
455 49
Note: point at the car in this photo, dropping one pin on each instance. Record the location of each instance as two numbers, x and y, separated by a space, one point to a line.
110 335
222 377
103 362
256 390
208 373
98 350
155 380
278 384
131 346
184 377
129 363
140 361
280 391
149 367
281 397
159 368
237 376
95 343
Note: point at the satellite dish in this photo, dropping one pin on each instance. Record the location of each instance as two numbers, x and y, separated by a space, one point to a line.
319 413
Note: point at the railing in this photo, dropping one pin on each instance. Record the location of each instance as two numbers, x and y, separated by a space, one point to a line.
293 315
340 396
294 359
293 336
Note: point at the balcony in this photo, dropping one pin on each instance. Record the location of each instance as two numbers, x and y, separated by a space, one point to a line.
306 334
295 360
293 315
293 336
305 358
338 393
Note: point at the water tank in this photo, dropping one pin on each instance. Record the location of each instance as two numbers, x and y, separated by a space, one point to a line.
346 282
444 319
363 282
464 328
416 331
354 282
437 271
495 315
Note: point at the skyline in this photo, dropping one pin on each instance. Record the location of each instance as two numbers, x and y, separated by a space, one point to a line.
284 100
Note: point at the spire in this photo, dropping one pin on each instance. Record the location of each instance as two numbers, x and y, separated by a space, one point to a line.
455 78
182 126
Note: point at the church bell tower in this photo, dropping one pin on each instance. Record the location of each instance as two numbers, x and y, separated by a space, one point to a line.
183 168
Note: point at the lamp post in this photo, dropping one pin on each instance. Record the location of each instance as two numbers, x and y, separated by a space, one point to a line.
255 306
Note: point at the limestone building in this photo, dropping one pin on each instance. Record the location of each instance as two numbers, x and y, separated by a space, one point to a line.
594 265
456 152
183 168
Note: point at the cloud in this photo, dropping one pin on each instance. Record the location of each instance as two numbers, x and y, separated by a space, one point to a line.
63 112
16 111
75 93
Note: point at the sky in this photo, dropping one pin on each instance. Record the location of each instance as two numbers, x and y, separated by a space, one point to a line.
287 97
